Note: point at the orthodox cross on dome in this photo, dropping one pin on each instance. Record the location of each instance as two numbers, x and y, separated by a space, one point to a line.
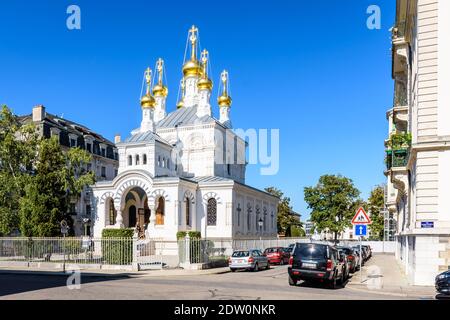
193 37
204 58
224 78
148 79
160 67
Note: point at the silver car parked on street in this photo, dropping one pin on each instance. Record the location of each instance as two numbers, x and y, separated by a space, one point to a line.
253 260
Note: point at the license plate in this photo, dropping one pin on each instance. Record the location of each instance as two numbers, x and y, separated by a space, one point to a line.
240 261
309 265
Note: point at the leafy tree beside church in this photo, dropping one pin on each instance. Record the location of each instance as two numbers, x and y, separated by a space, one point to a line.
37 179
287 223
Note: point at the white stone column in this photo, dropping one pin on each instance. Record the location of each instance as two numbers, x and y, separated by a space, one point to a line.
147 123
119 219
177 219
191 94
204 106
160 108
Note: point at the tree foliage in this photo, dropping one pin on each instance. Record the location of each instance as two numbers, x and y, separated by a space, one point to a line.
375 206
37 179
333 202
285 219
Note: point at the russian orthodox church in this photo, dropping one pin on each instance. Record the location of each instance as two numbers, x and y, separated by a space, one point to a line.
184 170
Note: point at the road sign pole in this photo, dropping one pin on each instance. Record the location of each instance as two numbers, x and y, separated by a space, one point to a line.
360 259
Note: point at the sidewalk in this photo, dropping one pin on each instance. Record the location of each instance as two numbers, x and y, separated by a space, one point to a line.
382 275
113 273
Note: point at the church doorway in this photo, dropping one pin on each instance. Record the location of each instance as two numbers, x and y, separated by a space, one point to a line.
137 212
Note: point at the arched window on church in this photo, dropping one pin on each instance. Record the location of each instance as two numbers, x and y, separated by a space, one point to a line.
137 159
211 212
163 162
112 213
159 161
188 212
167 163
130 160
249 218
160 211
144 159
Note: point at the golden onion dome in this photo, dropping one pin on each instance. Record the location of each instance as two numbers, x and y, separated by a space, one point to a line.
205 84
192 68
224 101
160 91
147 101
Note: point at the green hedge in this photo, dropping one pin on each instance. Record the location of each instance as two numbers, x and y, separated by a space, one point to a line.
117 246
192 234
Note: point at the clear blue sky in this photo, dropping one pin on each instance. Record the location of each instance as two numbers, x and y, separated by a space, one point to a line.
310 68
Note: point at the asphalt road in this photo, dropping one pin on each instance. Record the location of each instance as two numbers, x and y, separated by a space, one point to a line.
267 284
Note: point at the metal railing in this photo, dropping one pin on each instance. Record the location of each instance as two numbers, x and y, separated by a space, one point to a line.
397 158
111 251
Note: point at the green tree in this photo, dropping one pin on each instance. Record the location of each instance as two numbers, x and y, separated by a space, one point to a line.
59 178
17 157
333 202
375 205
285 219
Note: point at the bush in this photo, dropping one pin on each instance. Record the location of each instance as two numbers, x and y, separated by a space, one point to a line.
117 246
192 234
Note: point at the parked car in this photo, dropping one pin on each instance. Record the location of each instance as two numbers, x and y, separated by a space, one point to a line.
277 255
288 252
291 247
316 262
252 260
359 257
368 251
346 264
353 259
363 253
442 283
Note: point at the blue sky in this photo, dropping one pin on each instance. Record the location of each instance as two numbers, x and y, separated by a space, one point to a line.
310 68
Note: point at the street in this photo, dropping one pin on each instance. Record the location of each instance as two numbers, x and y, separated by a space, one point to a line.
268 284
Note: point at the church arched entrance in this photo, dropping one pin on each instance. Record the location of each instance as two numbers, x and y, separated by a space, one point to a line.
137 212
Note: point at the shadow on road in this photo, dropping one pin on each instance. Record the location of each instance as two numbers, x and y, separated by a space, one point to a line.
13 283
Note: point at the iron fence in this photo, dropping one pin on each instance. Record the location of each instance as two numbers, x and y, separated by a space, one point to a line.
112 251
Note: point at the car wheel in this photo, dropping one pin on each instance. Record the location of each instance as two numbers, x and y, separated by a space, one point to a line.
255 268
292 282
268 266
233 269
333 283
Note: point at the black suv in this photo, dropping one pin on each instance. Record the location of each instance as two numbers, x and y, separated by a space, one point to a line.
316 262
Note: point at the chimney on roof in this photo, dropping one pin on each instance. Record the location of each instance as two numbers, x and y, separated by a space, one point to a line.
117 138
38 113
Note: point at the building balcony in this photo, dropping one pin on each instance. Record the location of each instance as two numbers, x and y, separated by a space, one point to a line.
397 158
401 117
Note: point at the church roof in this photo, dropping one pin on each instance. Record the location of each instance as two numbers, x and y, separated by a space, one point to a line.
209 179
147 136
184 116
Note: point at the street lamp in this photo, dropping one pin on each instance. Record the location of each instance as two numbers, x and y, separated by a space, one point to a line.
260 224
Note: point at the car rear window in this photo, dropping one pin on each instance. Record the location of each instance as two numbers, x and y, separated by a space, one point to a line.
240 254
311 251
347 251
271 250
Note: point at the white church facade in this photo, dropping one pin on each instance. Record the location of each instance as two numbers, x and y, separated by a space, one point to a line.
184 170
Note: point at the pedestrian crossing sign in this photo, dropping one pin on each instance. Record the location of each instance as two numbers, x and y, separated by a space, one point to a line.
361 217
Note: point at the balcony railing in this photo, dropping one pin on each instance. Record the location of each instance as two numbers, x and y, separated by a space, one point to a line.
397 158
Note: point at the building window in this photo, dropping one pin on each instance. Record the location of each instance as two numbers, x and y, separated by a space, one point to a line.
265 219
160 211
112 213
103 172
89 147
188 212
116 156
167 164
211 212
238 209
130 160
88 210
73 142
163 164
229 169
137 160
115 173
257 218
159 161
144 159
249 220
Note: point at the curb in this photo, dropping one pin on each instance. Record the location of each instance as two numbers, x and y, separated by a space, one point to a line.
387 293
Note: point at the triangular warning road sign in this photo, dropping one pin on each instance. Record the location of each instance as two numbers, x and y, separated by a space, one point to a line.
361 217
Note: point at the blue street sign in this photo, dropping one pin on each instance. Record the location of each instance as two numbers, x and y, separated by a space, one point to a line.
427 224
361 230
